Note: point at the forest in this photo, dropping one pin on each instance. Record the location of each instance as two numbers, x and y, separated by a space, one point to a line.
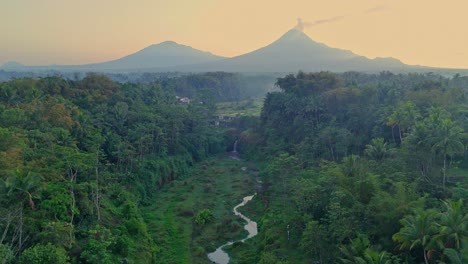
78 159
361 169
354 168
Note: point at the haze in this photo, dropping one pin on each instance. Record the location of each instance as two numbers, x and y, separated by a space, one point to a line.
430 33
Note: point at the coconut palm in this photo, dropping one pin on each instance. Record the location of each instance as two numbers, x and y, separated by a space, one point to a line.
378 149
457 257
417 231
361 252
24 186
453 225
20 188
447 140
418 144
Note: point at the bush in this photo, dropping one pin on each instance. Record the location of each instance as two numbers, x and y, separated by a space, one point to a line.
204 216
6 254
40 254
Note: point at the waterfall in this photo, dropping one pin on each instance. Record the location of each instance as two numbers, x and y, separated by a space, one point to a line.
234 154
235 146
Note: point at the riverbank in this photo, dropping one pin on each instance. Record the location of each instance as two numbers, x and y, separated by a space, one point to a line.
217 184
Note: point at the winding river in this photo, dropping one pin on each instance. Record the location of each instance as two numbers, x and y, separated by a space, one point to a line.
220 256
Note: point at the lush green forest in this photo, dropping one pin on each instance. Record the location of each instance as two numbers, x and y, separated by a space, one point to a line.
361 169
79 159
223 86
355 168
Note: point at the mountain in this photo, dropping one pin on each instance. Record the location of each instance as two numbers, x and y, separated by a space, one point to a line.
12 65
162 55
292 52
296 51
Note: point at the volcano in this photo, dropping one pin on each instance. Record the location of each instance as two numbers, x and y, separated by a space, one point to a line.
296 51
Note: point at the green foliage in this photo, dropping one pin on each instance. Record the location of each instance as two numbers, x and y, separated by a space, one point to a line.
314 241
360 251
66 146
97 248
344 159
434 231
453 225
24 187
378 149
40 254
6 254
367 148
268 257
204 216
456 257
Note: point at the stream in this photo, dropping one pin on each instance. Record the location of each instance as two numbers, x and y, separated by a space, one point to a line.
219 256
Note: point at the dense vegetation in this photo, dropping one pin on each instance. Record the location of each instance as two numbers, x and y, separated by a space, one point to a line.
221 86
361 169
78 159
355 168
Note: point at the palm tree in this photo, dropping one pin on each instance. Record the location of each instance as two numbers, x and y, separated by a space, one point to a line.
447 141
21 187
24 186
457 257
453 225
361 252
418 145
417 231
378 149
404 116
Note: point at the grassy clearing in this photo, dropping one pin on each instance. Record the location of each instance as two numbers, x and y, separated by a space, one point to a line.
250 107
217 184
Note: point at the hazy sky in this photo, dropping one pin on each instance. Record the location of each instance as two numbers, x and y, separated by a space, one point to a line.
38 32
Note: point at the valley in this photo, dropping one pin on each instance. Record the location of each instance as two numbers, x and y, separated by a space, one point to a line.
215 185
219 132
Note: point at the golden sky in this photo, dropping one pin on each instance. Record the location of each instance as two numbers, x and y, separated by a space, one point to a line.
42 32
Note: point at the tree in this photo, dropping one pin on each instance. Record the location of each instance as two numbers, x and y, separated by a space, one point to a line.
457 257
97 248
453 225
20 188
6 254
404 116
360 251
281 168
446 140
417 231
40 254
313 240
204 216
378 149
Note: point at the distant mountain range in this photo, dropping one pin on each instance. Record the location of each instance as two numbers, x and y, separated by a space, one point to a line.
292 52
296 51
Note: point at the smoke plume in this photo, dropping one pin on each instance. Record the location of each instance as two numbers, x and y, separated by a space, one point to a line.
301 24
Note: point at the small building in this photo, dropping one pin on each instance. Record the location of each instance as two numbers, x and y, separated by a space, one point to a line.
183 100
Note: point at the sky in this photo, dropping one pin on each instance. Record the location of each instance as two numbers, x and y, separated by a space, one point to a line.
418 32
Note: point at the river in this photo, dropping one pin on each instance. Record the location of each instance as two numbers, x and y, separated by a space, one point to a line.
219 256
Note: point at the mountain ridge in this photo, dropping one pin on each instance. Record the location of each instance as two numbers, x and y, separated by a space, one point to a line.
291 52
